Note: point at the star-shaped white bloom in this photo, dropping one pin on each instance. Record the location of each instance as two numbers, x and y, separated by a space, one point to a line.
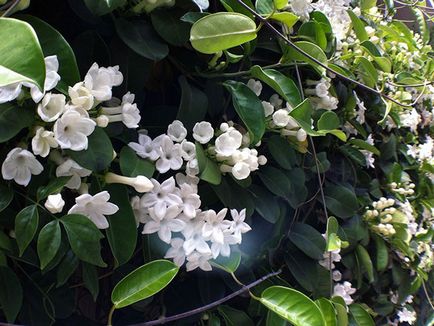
43 141
238 226
188 150
51 78
10 92
170 156
81 96
101 80
74 170
95 208
227 143
203 132
176 251
145 148
194 239
51 107
201 260
214 225
72 129
140 213
190 200
176 131
164 227
224 248
19 165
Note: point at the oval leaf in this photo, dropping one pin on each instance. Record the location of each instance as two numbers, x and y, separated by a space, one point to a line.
26 224
221 31
11 293
49 242
143 282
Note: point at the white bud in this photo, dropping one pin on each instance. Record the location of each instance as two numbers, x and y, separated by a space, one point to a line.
54 203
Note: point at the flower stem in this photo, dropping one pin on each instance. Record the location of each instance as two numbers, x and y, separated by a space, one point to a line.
110 316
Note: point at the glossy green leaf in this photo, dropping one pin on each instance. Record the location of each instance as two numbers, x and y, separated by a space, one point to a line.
382 253
98 154
293 306
143 282
265 203
53 43
360 315
328 311
53 187
364 145
313 31
103 7
368 72
221 31
122 233
308 240
142 39
275 181
282 152
11 293
208 169
264 7
90 279
282 84
286 18
310 48
328 121
168 25
274 319
358 26
193 105
249 108
66 268
49 242
341 201
365 260
6 196
131 165
229 264
234 317
341 314
13 119
367 4
26 224
21 57
84 238
280 4
303 269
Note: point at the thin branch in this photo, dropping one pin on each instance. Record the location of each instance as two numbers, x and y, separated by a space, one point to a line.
427 295
11 7
307 55
193 312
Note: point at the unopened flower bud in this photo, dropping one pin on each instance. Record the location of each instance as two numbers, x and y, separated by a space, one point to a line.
54 203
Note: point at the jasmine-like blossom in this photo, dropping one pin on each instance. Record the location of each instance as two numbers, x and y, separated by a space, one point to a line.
51 78
10 92
19 165
176 251
228 142
140 214
194 239
127 113
203 132
43 141
196 259
214 225
51 107
139 183
170 156
54 203
95 207
281 118
70 168
190 199
166 225
145 148
72 129
176 131
101 80
188 150
407 316
81 96
238 226
360 113
344 290
255 86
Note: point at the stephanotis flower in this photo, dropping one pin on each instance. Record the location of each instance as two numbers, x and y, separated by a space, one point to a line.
176 131
139 183
81 96
145 148
51 78
127 112
203 132
214 225
95 208
170 156
228 142
19 166
51 107
101 80
164 227
238 226
176 251
197 259
74 170
43 141
72 129
54 203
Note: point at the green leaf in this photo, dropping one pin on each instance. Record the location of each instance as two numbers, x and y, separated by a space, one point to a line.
221 31
309 48
141 38
382 254
282 84
274 319
193 105
358 26
341 201
333 242
84 238
368 72
235 6
49 242
53 43
103 7
280 4
282 152
293 306
275 181
341 313
11 294
367 4
143 282
249 108
26 224
208 169
364 145
360 315
90 279
265 203
285 17
98 154
66 268
21 58
53 187
328 121
6 196
313 32
264 7
122 233
328 311
302 268
366 262
131 165
228 264
308 240
234 317
168 25
12 119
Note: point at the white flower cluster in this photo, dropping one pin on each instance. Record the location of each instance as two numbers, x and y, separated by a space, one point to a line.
320 95
174 207
423 152
369 156
344 290
381 216
404 315
405 188
301 8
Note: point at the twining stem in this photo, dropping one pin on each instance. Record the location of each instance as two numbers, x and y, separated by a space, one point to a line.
193 312
307 55
11 7
110 316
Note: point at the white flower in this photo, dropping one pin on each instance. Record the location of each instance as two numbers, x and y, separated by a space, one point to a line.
406 315
255 86
360 113
224 248
101 80
337 276
145 148
196 259
164 227
54 203
345 291
95 208
188 150
276 101
301 8
268 108
140 183
141 215
322 88
73 169
19 165
227 143
238 226
192 168
214 225
170 156
10 92
51 78
410 119
161 197
127 113
190 199
176 251
72 129
81 96
51 107
194 239
203 132
240 170
176 131
281 118
43 141
191 181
